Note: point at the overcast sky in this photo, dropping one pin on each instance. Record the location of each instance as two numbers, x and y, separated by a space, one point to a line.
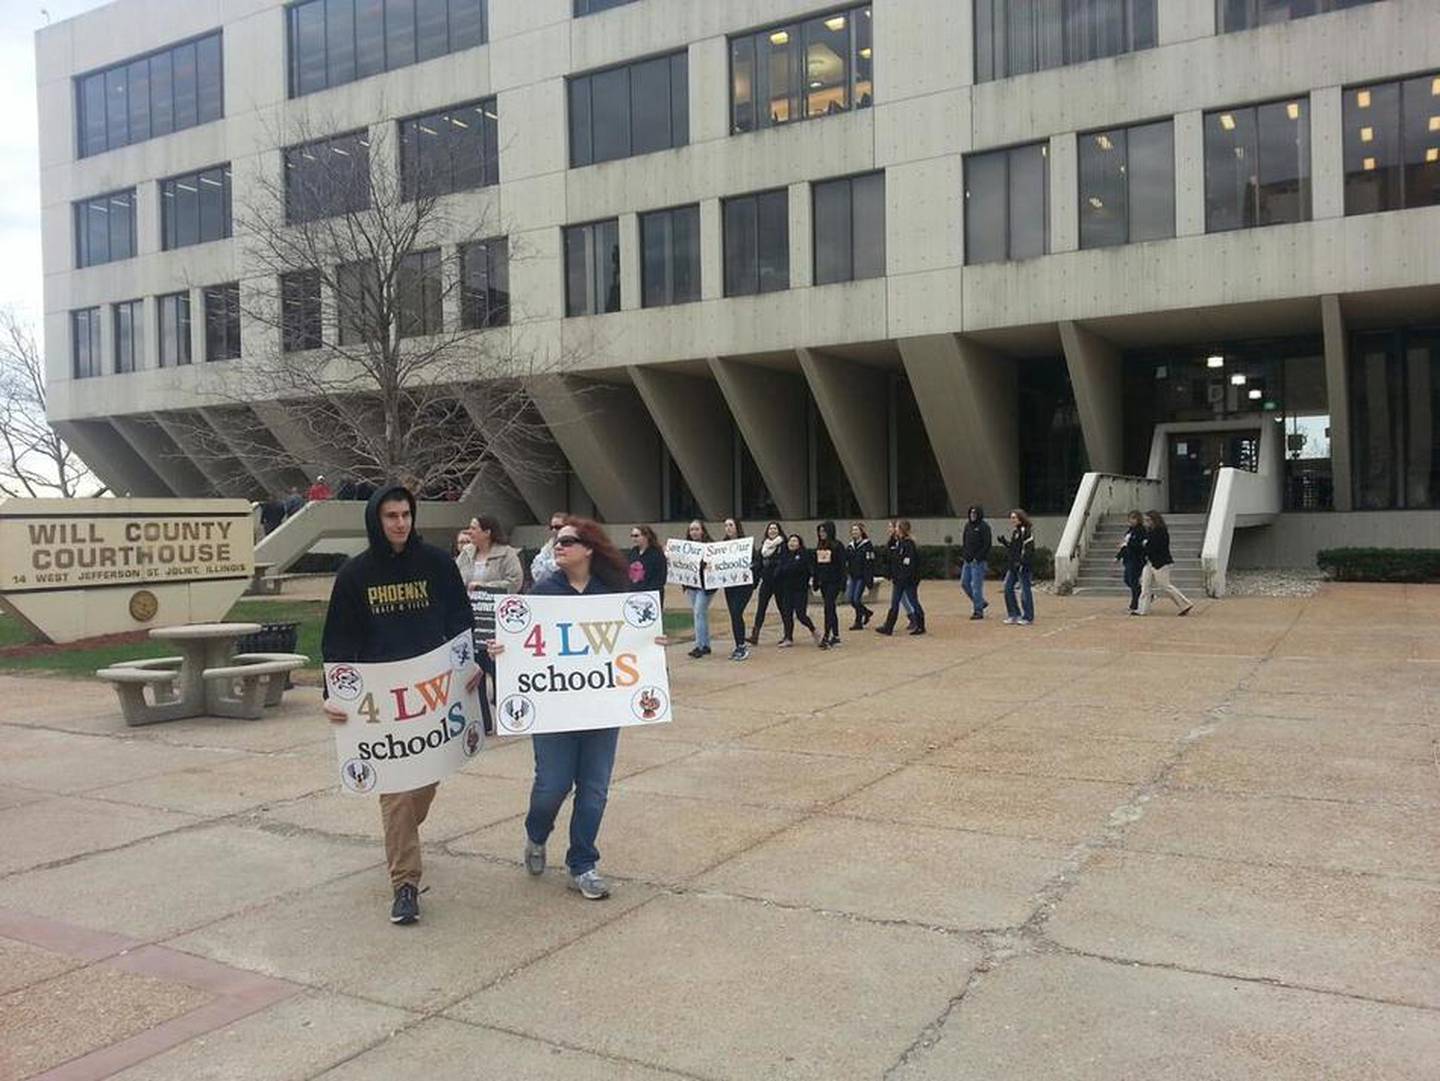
20 277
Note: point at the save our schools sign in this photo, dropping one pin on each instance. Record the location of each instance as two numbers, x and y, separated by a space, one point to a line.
409 723
727 562
578 663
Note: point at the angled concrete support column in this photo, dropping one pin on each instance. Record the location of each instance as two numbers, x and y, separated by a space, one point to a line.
769 409
1096 376
240 435
111 458
693 420
490 492
851 398
151 442
226 476
302 449
528 456
967 399
1337 388
610 440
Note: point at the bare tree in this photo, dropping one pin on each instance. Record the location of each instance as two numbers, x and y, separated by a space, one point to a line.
383 306
36 461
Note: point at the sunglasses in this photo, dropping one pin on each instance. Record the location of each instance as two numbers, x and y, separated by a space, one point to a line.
556 528
636 535
567 542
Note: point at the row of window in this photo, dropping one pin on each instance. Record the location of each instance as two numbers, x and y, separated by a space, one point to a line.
168 90
1257 172
194 209
172 325
849 239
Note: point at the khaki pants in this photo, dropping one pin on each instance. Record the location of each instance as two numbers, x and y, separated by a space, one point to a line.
1154 581
401 814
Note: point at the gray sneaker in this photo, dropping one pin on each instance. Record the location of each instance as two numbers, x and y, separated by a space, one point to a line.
534 857
591 886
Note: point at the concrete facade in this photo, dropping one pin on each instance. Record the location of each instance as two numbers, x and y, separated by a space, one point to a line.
768 369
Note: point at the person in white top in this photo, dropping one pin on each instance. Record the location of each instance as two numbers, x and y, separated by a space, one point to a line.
544 565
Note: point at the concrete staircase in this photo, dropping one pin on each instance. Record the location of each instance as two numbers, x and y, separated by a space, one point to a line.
1101 575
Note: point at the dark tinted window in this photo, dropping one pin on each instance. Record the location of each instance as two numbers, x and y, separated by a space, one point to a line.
592 268
1392 152
485 284
327 177
85 342
1127 185
300 311
129 336
849 228
634 109
333 42
195 208
793 71
757 243
1013 37
138 99
419 294
590 7
222 322
452 150
1257 165
105 228
1007 204
670 256
1395 413
174 329
360 303
1244 14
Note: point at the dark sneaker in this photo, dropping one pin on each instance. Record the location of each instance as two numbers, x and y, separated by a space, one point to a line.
591 886
977 615
534 857
697 653
835 641
406 908
887 631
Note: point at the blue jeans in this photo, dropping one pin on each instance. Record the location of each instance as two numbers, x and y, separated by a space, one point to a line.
1026 608
700 609
565 760
972 581
855 591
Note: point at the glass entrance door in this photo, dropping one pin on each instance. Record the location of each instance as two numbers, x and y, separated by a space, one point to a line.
1196 459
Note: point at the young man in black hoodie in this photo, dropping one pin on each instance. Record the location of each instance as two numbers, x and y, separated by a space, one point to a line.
975 544
397 599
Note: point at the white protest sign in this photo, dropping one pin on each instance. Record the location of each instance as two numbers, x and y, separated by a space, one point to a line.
410 723
577 663
728 563
684 558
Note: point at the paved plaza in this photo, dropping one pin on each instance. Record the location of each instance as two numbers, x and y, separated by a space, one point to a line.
1096 848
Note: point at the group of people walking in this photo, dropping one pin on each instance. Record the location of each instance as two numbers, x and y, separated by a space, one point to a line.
1145 554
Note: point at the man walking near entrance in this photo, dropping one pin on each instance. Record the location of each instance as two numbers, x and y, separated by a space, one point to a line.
367 624
975 544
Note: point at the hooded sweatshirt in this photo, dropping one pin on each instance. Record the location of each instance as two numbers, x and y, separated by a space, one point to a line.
829 559
976 541
388 605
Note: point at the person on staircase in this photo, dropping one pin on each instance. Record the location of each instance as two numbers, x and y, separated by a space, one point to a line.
829 577
1158 561
1020 545
771 547
792 589
860 573
975 544
905 574
1131 556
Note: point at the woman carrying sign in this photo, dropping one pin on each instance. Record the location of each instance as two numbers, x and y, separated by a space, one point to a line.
586 564
700 598
737 597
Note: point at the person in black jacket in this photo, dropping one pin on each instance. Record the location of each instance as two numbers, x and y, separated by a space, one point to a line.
888 571
792 589
975 544
647 563
829 577
1020 545
860 573
737 597
1131 555
772 544
397 599
1158 560
905 575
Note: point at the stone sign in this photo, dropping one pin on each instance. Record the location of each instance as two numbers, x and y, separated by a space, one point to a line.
76 568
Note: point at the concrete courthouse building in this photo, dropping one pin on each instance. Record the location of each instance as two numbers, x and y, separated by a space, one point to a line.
813 260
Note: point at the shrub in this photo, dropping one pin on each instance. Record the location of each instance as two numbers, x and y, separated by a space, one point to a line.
942 561
1380 564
